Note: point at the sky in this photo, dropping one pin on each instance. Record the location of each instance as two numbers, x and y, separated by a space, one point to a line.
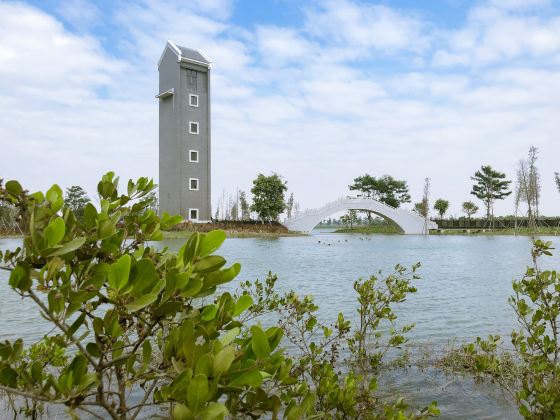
317 91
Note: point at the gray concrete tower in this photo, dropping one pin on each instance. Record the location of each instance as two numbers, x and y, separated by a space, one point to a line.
184 133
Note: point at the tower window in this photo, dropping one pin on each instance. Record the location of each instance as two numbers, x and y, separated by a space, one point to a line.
193 127
193 184
191 80
193 100
193 156
193 214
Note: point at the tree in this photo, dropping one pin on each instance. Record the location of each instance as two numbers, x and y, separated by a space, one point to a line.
421 208
527 187
244 206
153 201
77 200
268 197
490 185
557 180
385 189
349 219
469 208
441 207
290 205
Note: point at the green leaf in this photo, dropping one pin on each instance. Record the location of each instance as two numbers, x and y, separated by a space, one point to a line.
68 247
223 360
252 378
211 242
223 276
211 263
119 273
55 231
144 275
214 411
8 377
146 352
259 342
14 187
193 287
20 278
106 229
141 302
229 336
93 349
209 312
197 393
243 303
181 412
90 215
204 365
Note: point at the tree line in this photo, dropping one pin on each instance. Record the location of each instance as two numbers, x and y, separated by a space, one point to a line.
489 186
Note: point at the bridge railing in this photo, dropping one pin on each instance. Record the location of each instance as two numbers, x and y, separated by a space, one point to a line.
333 204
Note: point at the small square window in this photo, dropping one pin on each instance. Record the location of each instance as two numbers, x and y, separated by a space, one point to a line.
193 184
193 214
193 156
193 127
193 100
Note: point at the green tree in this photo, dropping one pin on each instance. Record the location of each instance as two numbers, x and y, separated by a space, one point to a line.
350 218
421 208
268 197
441 206
244 206
557 180
77 200
469 208
153 201
490 185
385 189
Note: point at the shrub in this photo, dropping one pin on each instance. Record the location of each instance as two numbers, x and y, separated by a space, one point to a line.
137 329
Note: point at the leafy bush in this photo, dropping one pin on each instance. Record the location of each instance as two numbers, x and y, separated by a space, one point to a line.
531 373
139 330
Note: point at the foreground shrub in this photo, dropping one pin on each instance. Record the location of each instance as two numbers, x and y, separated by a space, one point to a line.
141 331
531 372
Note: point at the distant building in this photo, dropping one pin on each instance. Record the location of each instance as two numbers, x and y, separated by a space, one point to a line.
184 133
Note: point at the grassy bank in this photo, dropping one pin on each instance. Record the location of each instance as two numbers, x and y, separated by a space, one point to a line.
233 229
368 230
542 231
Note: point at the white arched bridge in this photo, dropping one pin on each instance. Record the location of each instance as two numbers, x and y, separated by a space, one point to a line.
408 222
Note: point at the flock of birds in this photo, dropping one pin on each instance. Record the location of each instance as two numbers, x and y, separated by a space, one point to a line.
327 243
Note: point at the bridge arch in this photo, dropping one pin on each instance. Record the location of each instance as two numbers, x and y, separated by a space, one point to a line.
408 222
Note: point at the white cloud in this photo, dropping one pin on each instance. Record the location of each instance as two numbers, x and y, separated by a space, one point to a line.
365 27
493 35
314 103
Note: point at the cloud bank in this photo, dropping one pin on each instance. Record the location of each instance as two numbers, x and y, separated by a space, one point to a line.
352 87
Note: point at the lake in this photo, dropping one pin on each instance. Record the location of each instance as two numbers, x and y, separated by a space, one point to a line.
463 292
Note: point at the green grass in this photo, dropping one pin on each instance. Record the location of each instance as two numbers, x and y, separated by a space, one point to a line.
542 231
367 230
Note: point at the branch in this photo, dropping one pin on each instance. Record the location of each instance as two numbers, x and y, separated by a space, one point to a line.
30 395
143 402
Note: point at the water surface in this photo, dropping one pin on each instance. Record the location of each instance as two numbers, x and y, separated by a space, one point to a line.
466 281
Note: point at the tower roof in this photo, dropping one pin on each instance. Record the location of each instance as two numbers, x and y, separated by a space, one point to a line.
187 54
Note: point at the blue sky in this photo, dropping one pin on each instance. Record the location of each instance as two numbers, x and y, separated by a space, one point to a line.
319 91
